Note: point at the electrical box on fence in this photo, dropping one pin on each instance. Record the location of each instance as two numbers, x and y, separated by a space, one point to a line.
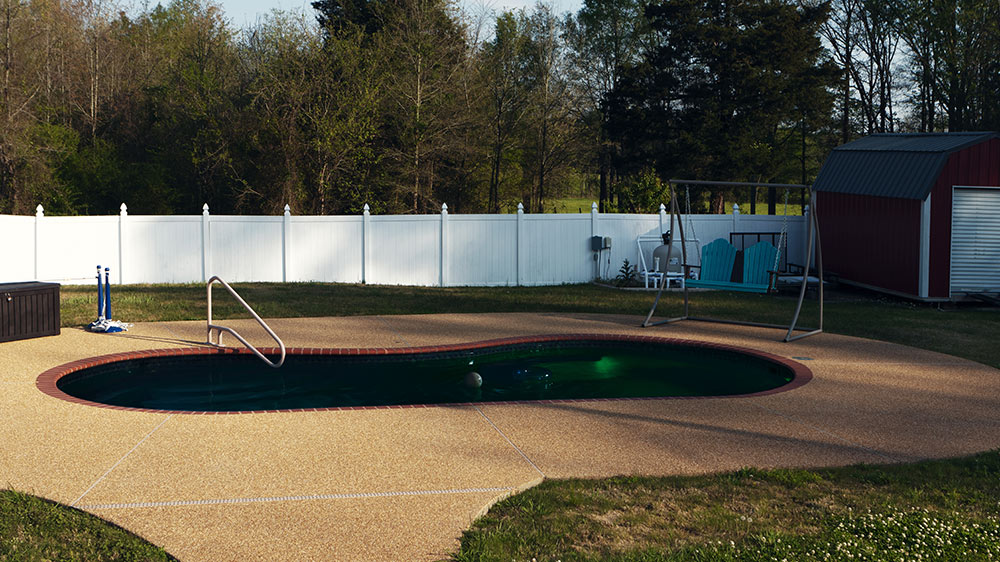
598 243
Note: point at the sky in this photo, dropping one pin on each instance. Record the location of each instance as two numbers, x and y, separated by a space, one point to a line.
245 12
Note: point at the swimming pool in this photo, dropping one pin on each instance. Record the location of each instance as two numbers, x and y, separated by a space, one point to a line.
548 368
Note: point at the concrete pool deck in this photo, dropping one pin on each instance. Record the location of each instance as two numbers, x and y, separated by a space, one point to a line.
403 484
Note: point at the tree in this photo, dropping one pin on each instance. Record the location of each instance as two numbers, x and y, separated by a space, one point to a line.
341 122
338 16
866 44
425 52
605 37
503 62
953 47
552 139
32 147
722 93
875 77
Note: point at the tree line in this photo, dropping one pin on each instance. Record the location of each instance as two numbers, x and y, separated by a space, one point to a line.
407 104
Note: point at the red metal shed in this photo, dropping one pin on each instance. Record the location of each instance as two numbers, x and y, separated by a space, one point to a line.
916 215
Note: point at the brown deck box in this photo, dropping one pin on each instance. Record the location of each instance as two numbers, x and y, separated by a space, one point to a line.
28 310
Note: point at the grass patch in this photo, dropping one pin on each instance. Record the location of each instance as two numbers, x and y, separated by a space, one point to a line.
32 529
933 510
794 209
570 205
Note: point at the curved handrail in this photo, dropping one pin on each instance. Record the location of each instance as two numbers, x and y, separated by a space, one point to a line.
221 329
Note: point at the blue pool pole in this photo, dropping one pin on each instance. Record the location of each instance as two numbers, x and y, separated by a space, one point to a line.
100 296
107 292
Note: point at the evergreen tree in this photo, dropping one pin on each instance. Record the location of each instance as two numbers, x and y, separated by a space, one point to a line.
723 90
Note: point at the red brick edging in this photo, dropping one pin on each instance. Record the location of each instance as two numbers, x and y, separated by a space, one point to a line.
47 381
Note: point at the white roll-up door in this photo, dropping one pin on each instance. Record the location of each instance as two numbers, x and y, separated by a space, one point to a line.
975 240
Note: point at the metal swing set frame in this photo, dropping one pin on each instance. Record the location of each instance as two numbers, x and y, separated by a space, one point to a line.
814 249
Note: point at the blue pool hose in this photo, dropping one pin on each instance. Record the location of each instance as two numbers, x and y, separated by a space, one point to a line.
107 292
100 296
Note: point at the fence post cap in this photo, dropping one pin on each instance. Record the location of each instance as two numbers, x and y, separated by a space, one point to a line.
663 208
39 211
444 208
366 209
736 209
520 207
204 209
593 207
288 210
124 209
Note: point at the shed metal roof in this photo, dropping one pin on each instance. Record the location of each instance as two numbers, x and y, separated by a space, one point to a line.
903 165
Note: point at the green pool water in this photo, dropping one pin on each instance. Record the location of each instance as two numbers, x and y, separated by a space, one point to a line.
537 371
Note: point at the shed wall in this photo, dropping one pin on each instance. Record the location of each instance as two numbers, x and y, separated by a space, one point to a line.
871 240
975 165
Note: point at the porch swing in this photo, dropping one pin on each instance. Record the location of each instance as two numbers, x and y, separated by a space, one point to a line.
719 257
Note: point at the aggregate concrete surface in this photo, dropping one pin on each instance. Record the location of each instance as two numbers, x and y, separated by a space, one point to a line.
403 484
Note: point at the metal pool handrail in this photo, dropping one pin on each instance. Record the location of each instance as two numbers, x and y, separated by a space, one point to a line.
221 329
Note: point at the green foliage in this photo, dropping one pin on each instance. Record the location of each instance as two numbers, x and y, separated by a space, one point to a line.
100 172
642 192
404 105
627 275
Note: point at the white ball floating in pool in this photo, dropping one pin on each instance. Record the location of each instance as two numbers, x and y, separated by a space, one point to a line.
473 380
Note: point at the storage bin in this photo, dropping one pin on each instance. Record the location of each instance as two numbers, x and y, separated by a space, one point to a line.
28 310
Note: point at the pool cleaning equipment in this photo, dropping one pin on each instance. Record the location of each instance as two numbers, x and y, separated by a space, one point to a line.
104 322
100 304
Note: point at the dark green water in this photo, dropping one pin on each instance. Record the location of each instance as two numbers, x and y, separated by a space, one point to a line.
538 371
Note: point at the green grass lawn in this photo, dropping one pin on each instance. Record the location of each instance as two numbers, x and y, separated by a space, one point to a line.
940 510
570 204
35 529
935 510
794 209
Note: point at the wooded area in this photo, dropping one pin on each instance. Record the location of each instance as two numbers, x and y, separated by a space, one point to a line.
407 104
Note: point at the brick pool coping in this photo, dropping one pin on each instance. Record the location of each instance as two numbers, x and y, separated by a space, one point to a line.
47 382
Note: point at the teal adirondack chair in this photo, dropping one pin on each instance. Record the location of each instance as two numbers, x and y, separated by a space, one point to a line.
758 261
717 261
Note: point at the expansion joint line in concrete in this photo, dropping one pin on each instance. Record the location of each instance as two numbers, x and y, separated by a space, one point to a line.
359 495
393 330
507 439
108 471
827 432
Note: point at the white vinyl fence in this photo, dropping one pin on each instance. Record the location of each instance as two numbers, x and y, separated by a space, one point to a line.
428 250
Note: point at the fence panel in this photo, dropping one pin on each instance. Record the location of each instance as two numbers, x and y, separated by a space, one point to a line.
70 247
18 236
162 249
326 249
482 250
558 249
245 249
406 250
